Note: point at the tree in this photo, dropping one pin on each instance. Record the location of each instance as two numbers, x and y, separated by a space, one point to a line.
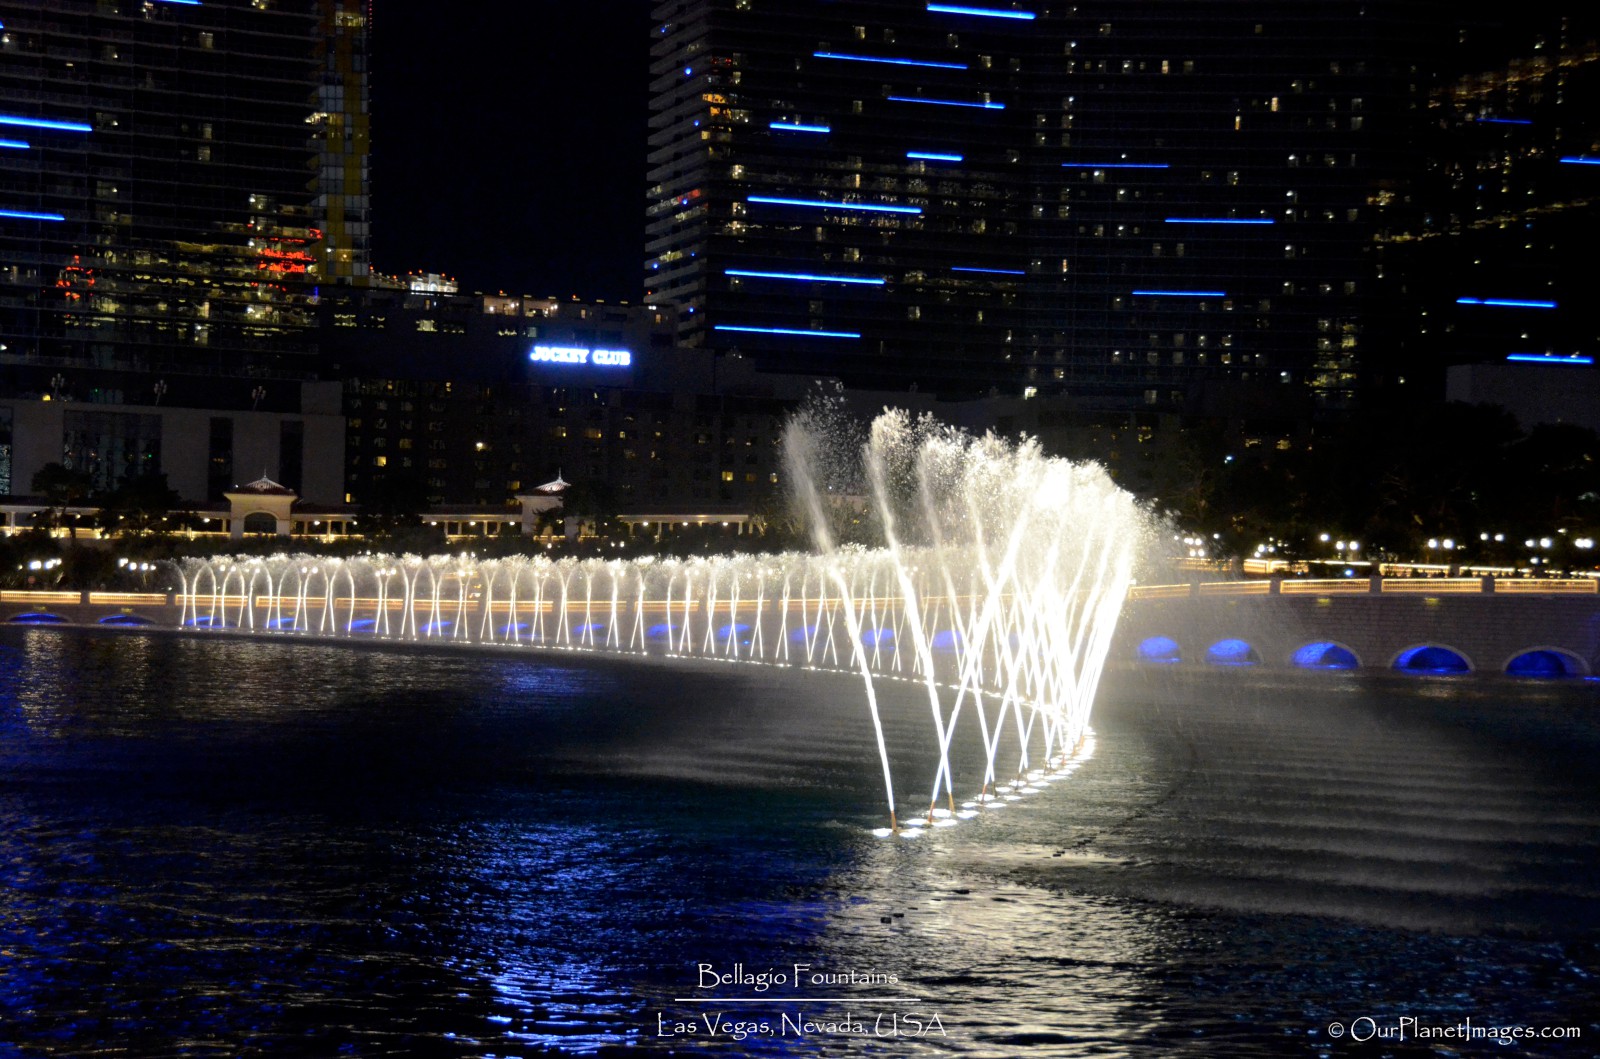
139 506
62 487
591 502
1554 480
395 502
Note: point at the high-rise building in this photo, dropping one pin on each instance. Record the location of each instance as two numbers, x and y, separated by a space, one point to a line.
1115 201
343 119
177 181
843 188
1495 264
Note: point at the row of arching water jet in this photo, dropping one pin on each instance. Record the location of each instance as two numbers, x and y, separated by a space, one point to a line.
994 582
1035 553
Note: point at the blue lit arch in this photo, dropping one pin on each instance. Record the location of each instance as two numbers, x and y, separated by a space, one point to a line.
126 619
1431 660
1325 654
1546 663
37 617
1160 650
1232 652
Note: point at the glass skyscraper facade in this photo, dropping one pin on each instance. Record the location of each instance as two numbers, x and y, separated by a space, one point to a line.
176 181
1496 266
1108 200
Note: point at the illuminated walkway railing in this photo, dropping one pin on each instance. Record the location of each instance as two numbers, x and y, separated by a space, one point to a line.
72 597
1424 586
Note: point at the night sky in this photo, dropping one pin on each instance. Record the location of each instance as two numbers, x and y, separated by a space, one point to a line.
509 144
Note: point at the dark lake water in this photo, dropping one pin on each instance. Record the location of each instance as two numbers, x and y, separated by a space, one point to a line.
218 847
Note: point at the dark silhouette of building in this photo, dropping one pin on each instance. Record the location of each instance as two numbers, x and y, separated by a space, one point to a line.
1125 203
475 399
178 181
1493 264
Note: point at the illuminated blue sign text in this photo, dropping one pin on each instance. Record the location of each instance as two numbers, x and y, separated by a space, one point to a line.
604 358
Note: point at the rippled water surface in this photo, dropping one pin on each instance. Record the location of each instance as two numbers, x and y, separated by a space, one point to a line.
227 847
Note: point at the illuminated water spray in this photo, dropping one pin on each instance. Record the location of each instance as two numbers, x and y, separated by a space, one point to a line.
1006 571
986 573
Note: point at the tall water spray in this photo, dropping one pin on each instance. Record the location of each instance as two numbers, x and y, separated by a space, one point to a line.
985 572
1026 559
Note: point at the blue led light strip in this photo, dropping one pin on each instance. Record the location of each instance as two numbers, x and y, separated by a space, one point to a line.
946 102
1114 165
1219 220
26 215
44 123
805 276
787 127
1506 303
935 156
21 145
982 12
891 62
823 204
1504 121
996 271
1536 358
191 3
1182 293
1576 159
788 331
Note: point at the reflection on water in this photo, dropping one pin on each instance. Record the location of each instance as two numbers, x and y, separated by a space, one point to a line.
216 848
